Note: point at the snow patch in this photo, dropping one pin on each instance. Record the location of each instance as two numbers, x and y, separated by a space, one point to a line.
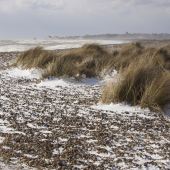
120 108
1 139
30 74
52 44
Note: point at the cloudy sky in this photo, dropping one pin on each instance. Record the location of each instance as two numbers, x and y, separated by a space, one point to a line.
27 19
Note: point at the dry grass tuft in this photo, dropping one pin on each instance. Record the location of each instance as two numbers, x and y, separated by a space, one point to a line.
144 72
90 48
157 93
145 77
87 60
142 83
125 56
61 66
34 58
161 57
132 83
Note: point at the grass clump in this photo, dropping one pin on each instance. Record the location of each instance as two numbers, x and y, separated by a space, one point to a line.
87 60
145 81
62 66
34 58
144 77
131 84
157 93
95 59
123 57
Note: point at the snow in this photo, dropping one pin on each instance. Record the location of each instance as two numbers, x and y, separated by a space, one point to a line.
122 110
22 45
18 72
80 166
30 156
53 82
45 131
58 151
1 139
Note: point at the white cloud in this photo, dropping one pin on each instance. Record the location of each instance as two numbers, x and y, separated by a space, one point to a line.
83 5
48 4
20 5
79 17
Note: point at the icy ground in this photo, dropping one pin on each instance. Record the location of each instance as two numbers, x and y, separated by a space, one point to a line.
61 124
49 44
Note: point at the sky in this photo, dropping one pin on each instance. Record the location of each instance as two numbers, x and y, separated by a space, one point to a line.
28 19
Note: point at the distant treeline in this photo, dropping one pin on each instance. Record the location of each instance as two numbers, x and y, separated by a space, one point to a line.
118 36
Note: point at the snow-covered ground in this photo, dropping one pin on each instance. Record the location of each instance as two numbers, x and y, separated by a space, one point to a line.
61 123
48 44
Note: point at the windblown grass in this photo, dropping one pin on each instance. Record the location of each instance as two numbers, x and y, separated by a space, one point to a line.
131 85
144 81
34 58
62 66
88 60
144 77
95 59
157 93
125 56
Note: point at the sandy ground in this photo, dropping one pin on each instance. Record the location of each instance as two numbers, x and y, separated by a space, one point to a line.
62 127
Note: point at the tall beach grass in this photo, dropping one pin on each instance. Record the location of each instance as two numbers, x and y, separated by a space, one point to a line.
144 77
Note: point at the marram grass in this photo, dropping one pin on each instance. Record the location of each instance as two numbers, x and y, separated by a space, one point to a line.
144 77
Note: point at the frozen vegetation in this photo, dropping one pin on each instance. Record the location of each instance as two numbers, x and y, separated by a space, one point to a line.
62 123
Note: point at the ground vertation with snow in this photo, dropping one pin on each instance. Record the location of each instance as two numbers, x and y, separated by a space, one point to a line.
62 124
51 44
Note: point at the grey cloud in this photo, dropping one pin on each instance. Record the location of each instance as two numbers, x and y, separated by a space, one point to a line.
37 5
165 3
158 3
143 2
32 4
40 18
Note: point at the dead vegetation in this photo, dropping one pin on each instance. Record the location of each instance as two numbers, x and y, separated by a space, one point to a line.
33 58
88 60
144 77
